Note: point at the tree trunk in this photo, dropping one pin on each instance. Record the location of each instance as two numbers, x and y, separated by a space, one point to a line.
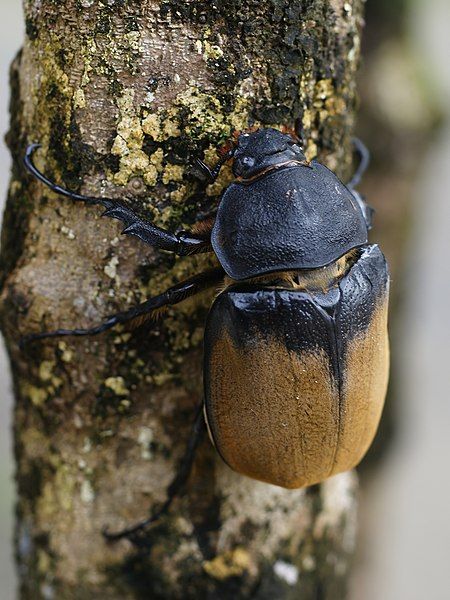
123 95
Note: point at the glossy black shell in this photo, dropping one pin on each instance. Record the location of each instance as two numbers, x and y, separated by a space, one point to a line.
295 217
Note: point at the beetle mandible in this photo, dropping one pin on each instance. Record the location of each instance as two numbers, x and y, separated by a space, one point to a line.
295 347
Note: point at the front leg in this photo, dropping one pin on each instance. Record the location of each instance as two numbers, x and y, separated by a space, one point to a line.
182 243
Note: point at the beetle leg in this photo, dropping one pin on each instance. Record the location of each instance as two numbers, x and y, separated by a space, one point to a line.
366 209
212 174
184 470
173 295
204 227
364 160
181 243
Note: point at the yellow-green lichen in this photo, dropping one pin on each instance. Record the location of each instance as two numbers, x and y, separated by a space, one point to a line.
205 117
133 40
89 50
156 159
53 83
43 561
79 100
46 372
211 51
172 173
111 268
310 150
171 125
66 353
151 125
322 101
38 396
129 141
239 118
117 385
122 338
327 101
202 117
180 193
162 125
229 564
58 492
162 378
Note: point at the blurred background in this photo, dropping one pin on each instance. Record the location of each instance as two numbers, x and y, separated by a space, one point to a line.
11 35
404 542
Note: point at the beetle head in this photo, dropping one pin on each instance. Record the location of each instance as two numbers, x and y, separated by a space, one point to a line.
263 149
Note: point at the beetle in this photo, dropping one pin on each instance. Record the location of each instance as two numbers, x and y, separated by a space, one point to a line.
295 347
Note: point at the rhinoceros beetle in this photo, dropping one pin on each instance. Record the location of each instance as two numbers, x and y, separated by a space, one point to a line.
295 346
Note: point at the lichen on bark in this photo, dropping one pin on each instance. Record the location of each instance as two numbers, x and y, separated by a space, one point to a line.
123 95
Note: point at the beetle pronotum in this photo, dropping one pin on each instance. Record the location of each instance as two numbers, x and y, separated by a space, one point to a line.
296 347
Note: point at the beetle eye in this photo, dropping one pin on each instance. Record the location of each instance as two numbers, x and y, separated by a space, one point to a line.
243 140
242 164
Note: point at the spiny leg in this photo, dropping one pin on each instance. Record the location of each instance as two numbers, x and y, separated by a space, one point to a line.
184 470
182 243
173 295
364 159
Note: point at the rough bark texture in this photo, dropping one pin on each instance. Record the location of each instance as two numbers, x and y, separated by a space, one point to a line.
122 95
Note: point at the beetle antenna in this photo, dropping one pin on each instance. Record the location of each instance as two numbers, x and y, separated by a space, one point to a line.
28 162
298 130
213 173
364 160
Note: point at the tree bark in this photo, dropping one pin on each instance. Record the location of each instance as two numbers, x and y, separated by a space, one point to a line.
122 96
